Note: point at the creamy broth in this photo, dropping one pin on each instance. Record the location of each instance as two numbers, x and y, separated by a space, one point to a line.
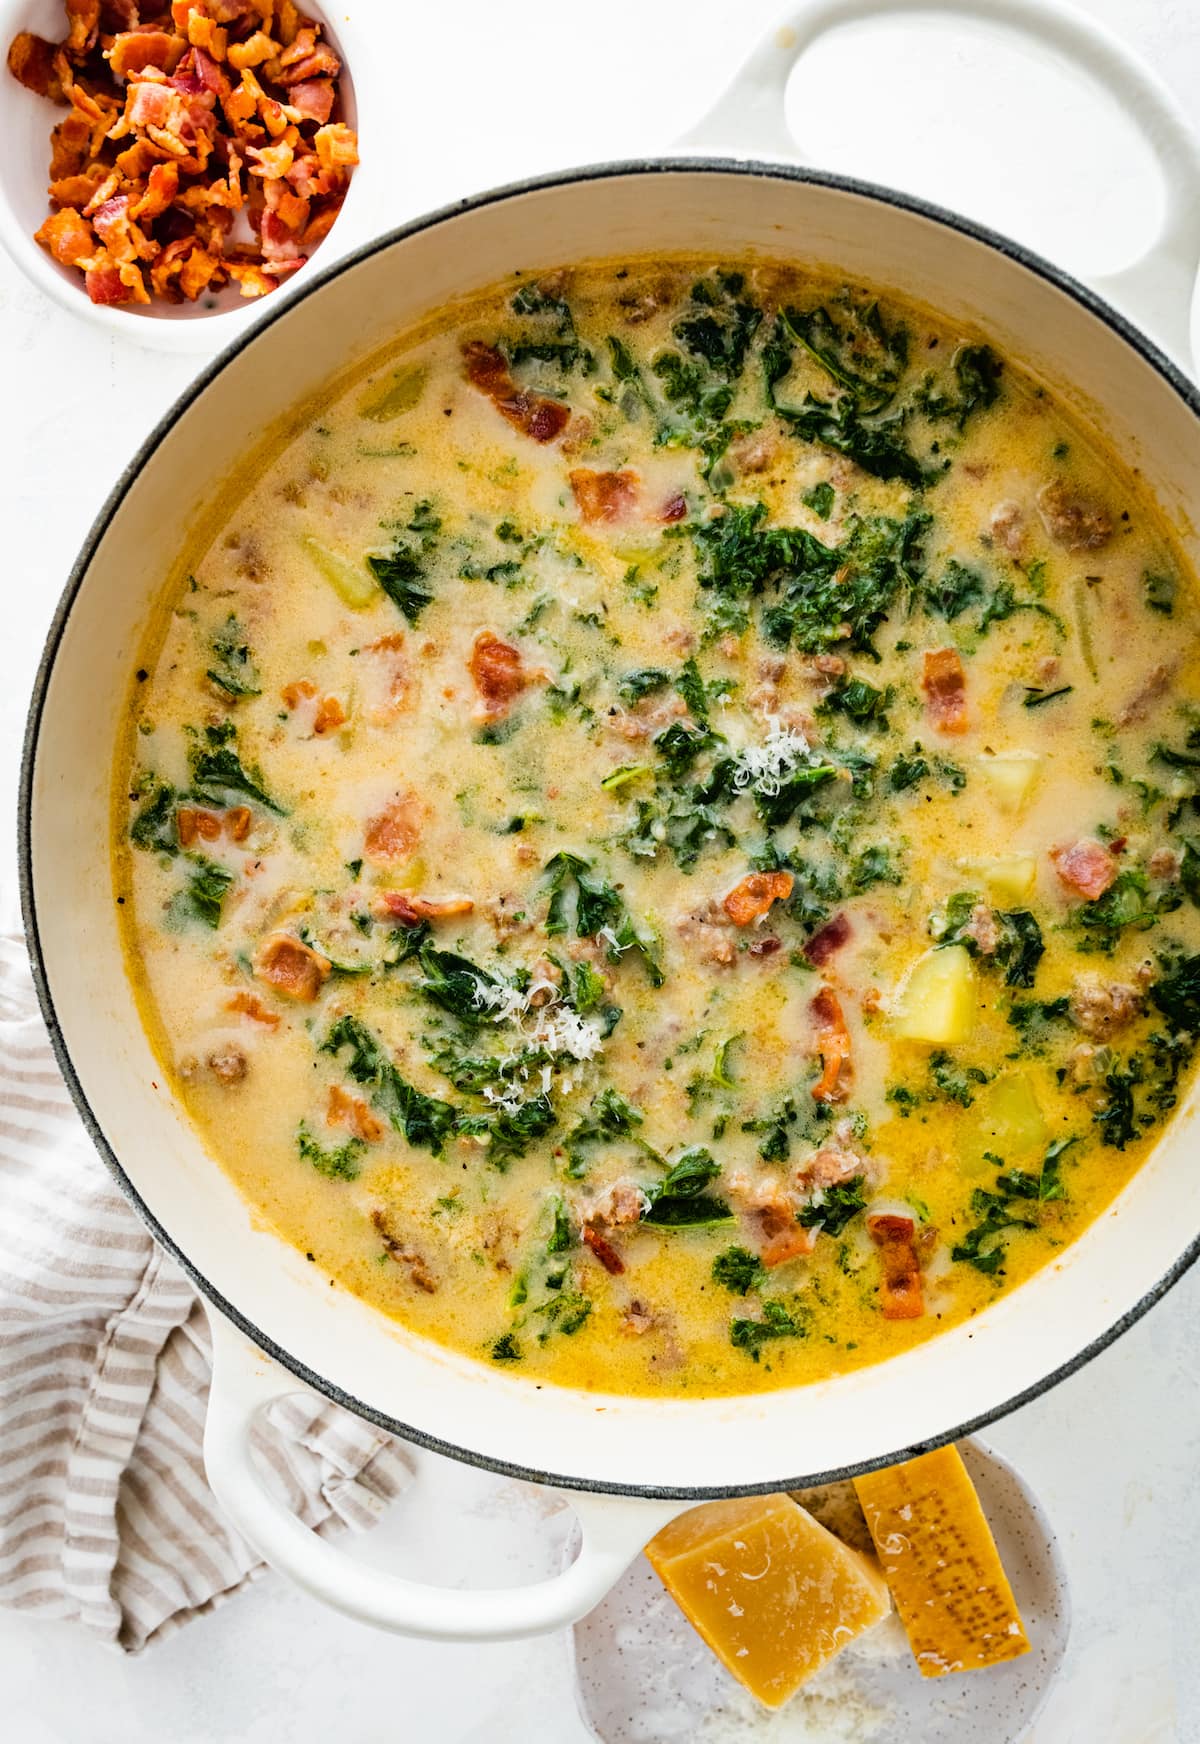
655 844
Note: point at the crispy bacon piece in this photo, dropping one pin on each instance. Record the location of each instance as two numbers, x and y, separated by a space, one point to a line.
83 20
330 714
944 681
133 51
31 62
833 1045
604 496
392 835
410 909
353 1113
498 672
66 235
783 1237
533 414
827 940
312 99
901 1290
603 1249
291 967
1086 867
251 1006
674 509
752 897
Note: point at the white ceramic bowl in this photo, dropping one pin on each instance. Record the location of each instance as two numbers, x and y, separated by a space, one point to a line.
211 322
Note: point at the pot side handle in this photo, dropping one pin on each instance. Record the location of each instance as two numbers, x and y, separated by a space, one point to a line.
1157 290
613 1529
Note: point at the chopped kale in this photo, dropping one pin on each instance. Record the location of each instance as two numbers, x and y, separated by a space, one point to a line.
1159 591
609 1117
233 672
153 827
977 372
1129 902
401 571
1035 696
457 985
679 746
506 1348
645 682
424 1121
339 1163
1019 947
564 1313
860 351
1177 995
776 1322
911 769
739 1271
597 904
1117 1116
820 499
836 1206
509 1133
205 890
217 770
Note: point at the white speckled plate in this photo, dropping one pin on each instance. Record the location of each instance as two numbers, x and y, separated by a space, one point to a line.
643 1676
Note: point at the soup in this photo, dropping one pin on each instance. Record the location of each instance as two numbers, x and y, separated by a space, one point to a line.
657 838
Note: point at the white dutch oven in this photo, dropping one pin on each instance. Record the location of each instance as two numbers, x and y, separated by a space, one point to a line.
631 1463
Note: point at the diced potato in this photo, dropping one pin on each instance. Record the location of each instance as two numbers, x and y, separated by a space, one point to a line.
1009 877
937 1002
1011 776
353 582
1007 1120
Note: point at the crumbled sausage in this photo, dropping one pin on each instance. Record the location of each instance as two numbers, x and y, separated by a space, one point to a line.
1074 521
228 1064
1100 1008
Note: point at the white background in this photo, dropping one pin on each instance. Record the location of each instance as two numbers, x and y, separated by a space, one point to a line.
481 93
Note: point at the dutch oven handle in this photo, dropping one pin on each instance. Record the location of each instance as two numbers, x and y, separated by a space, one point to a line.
1157 290
613 1529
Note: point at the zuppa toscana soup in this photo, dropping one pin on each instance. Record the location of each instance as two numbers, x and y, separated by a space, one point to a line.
659 840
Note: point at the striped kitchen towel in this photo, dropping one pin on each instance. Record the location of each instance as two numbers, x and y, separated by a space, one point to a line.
105 1515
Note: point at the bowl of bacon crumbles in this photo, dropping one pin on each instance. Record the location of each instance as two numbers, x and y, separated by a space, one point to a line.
173 161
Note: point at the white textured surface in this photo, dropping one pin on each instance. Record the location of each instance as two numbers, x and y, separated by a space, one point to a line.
483 94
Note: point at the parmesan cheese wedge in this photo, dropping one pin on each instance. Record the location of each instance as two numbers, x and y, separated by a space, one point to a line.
941 1563
772 1592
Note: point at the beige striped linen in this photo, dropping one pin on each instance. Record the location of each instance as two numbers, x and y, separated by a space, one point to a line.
105 1515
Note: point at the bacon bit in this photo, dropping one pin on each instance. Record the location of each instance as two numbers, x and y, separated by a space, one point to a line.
833 1045
66 236
134 50
31 63
330 714
944 682
533 414
604 496
784 1238
752 898
394 833
674 509
901 1290
827 940
604 1250
291 967
190 823
765 947
498 672
252 1007
163 88
298 691
237 821
1086 866
352 1113
410 909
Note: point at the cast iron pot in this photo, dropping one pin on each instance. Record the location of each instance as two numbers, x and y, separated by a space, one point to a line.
630 1463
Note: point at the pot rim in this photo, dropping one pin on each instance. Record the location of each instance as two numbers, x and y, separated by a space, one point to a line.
1025 257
